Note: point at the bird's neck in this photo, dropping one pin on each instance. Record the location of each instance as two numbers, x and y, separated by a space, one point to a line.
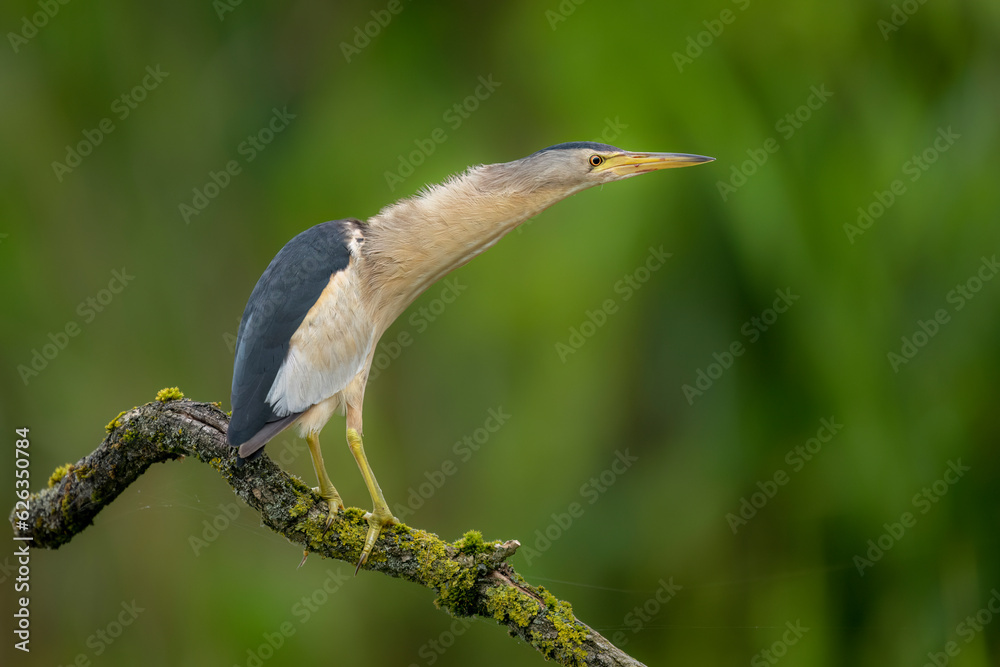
413 243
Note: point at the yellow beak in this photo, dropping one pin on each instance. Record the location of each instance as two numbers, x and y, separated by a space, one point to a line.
629 164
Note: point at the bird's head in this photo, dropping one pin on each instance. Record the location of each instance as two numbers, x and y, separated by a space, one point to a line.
417 240
579 165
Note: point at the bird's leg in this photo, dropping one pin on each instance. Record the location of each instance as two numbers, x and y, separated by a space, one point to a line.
326 488
380 516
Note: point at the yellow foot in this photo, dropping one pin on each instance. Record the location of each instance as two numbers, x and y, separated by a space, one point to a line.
377 520
335 505
333 502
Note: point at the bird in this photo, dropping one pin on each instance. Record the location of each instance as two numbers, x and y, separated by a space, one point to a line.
313 320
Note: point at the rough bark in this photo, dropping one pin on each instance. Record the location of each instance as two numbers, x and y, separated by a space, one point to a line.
470 576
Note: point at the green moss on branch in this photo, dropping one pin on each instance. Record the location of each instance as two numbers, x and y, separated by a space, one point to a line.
470 576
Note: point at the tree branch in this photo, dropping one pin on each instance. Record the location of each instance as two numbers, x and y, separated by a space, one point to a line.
470 576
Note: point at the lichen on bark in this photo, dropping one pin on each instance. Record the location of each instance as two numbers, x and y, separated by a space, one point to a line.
470 576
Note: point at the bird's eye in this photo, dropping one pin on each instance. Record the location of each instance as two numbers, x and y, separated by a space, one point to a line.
595 160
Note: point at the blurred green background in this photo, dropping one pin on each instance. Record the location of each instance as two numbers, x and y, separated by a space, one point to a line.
841 102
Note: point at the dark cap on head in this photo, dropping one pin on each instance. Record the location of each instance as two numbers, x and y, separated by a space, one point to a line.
592 145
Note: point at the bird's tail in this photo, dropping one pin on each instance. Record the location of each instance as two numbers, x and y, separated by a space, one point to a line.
254 447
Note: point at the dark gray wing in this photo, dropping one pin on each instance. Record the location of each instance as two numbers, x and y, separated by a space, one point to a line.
290 286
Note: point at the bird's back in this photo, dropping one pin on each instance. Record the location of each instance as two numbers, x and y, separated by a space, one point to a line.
289 288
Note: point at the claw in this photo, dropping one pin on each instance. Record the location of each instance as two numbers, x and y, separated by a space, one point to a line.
336 505
376 522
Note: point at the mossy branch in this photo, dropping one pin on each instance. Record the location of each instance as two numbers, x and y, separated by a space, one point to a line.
470 576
